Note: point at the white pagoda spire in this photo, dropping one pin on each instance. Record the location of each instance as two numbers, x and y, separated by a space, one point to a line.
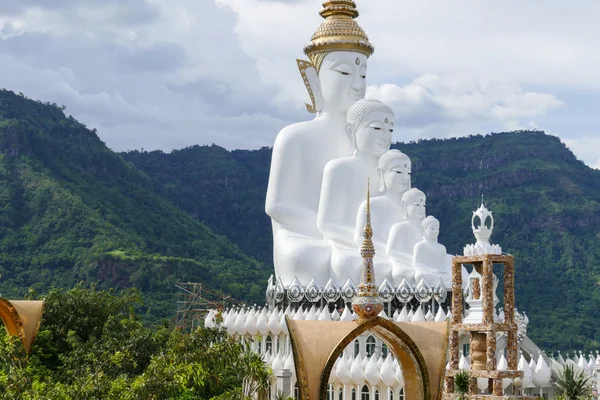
482 224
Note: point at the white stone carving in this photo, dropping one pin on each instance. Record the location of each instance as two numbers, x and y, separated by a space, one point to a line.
405 235
429 257
482 233
370 125
475 286
300 154
394 171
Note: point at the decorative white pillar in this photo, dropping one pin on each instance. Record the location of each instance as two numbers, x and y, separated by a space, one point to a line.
284 382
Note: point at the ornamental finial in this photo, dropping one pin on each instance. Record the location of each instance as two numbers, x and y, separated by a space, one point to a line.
368 234
367 303
339 32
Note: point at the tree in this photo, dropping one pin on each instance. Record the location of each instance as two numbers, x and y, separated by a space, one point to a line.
93 345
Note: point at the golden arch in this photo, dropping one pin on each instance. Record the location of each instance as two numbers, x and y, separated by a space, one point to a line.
22 318
416 385
419 346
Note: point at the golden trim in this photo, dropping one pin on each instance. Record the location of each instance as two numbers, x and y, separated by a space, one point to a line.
11 319
400 338
298 360
339 32
303 65
444 361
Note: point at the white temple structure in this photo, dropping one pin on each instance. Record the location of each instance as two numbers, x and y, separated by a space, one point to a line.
315 198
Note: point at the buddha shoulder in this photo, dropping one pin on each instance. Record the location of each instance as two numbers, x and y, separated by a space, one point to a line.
300 130
341 164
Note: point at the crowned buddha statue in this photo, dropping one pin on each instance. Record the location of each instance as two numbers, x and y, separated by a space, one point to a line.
370 125
405 235
335 78
430 259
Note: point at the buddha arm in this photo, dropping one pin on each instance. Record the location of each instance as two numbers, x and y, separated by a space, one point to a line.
331 215
282 202
395 245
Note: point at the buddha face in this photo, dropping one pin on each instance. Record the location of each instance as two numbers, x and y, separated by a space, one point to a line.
374 137
397 178
432 230
415 207
342 77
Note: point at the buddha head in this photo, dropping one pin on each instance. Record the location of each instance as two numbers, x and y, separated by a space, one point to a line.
370 124
394 172
414 204
431 227
335 76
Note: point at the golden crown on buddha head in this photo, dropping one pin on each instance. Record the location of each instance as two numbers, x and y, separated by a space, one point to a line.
339 32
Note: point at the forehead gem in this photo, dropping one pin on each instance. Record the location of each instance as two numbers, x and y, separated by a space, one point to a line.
387 120
357 61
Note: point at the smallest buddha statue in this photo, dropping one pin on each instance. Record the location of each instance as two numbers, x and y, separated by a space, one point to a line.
429 257
405 235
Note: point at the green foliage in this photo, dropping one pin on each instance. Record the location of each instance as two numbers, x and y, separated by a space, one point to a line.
71 209
573 383
461 383
92 345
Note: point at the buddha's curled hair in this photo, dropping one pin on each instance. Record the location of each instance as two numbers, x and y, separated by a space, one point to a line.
362 107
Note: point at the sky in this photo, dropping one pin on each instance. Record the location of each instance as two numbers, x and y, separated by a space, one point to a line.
166 74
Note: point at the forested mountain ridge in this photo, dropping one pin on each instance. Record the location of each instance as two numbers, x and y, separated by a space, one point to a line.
545 202
72 209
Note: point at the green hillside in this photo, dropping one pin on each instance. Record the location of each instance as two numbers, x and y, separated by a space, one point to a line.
546 205
72 209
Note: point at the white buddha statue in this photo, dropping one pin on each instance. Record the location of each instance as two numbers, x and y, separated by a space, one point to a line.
430 259
405 235
370 126
335 78
386 210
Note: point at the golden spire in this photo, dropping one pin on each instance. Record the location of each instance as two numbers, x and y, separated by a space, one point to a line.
367 303
339 32
367 249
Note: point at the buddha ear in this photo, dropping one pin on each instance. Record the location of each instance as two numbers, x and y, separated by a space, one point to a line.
381 180
313 86
351 136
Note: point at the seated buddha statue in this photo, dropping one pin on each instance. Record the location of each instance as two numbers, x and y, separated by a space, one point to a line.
335 78
405 235
370 126
429 257
387 209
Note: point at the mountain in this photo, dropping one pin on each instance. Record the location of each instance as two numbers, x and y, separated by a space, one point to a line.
546 205
71 209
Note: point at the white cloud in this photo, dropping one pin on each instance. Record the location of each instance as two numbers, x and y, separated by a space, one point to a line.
157 74
434 104
587 148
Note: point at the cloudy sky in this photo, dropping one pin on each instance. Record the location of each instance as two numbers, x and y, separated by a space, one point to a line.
165 74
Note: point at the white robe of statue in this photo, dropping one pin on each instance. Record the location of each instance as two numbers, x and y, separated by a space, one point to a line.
300 154
370 126
405 235
430 259
386 210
